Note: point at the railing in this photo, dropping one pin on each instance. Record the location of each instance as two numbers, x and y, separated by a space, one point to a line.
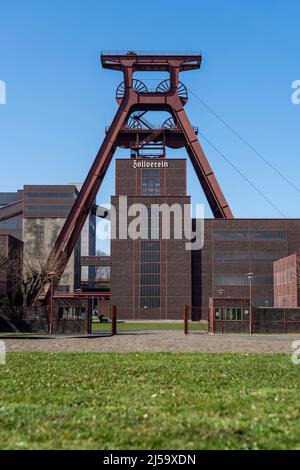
154 53
142 129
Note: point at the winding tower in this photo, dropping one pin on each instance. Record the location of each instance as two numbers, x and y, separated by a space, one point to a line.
130 129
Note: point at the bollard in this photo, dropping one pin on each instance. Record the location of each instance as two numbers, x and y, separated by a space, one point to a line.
114 320
186 319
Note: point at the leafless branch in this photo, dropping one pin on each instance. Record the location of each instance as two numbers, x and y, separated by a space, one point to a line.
35 275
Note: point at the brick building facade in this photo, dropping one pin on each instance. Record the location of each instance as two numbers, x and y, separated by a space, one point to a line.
150 278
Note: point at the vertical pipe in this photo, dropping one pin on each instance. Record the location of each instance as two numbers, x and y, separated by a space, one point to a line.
87 315
51 308
186 319
114 320
251 312
212 316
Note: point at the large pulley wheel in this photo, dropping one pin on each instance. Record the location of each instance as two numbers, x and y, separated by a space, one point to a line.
133 123
137 86
170 123
165 85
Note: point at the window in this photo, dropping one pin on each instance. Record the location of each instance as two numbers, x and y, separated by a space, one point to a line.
150 274
246 257
242 280
71 313
150 182
232 235
150 223
50 195
231 256
276 235
228 314
246 235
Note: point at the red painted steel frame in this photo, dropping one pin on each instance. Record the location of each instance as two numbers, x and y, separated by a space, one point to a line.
132 101
186 319
114 320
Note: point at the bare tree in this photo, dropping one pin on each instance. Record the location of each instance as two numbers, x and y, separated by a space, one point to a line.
35 275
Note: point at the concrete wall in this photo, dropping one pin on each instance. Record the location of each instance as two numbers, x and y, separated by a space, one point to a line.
39 237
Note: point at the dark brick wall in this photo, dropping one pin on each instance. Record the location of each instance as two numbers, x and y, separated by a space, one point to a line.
19 319
175 275
35 320
206 267
265 320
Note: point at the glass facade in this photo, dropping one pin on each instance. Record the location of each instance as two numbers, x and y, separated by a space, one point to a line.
151 182
231 314
150 274
247 257
247 235
242 280
150 224
48 202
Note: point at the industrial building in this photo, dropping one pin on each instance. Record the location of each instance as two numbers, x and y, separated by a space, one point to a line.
150 276
155 278
243 263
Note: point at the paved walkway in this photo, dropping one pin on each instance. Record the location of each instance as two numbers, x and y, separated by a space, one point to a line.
156 341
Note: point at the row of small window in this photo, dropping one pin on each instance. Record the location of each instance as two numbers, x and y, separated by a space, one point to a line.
150 246
150 182
52 195
47 207
150 173
229 314
242 280
150 291
155 183
150 256
285 277
71 313
149 190
150 302
150 268
246 235
246 257
150 279
150 234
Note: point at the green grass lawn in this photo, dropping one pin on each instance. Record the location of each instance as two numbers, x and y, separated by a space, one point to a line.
152 401
97 326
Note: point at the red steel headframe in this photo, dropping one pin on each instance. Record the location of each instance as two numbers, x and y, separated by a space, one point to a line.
131 101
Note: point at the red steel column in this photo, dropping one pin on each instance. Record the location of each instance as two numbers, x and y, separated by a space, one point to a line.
207 179
114 320
186 319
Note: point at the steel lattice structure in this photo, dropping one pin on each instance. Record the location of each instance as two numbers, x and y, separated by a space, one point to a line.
129 129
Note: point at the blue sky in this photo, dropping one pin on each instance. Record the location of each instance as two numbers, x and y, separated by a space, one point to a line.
59 100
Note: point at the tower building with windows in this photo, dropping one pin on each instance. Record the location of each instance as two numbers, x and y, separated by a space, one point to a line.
150 276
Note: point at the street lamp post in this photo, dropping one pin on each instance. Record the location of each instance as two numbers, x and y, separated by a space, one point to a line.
250 277
220 292
52 276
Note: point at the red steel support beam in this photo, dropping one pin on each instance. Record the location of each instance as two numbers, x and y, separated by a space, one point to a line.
131 101
11 210
186 319
207 179
114 320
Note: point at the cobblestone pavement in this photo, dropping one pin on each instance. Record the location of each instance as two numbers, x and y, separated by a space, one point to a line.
156 341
